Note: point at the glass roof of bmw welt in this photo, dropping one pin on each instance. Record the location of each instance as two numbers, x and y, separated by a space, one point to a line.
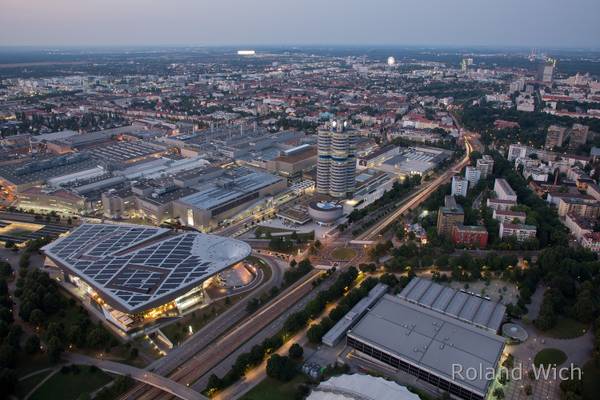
138 267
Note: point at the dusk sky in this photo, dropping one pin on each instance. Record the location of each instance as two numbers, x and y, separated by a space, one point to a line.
547 23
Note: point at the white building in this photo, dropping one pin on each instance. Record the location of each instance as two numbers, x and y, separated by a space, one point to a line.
497 204
520 231
507 216
459 186
357 386
503 190
472 175
485 165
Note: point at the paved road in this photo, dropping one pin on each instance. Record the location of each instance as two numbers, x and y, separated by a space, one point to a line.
210 332
206 361
419 197
150 378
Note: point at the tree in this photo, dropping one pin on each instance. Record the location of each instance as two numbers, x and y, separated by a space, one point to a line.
498 393
8 379
37 317
281 368
8 356
296 351
55 349
214 383
32 344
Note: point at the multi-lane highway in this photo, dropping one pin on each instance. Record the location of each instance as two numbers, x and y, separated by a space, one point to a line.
209 333
196 360
150 378
200 361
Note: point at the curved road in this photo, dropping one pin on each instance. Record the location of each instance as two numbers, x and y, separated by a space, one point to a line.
210 332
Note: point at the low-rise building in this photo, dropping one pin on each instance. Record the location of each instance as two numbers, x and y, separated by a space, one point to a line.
509 216
520 231
470 235
591 241
578 207
578 226
497 204
503 190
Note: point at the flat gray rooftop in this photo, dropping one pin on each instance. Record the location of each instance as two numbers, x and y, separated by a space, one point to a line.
215 194
468 307
430 340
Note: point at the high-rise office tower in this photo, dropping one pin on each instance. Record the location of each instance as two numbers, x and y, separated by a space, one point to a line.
546 71
336 165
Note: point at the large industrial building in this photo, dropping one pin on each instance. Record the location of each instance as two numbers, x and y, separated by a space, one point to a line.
237 190
404 161
428 344
467 307
136 274
336 164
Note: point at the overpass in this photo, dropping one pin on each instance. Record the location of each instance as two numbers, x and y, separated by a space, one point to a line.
147 377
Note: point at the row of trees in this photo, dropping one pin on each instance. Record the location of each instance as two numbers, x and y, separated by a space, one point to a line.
12 344
292 325
316 331
296 271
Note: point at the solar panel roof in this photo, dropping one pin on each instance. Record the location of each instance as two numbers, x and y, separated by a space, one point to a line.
138 267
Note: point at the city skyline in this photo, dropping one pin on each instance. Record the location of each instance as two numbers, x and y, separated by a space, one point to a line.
183 22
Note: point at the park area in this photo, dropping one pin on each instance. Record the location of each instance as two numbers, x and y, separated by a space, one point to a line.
343 254
70 383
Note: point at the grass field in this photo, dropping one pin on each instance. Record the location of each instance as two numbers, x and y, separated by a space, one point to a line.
549 357
343 253
271 389
26 385
567 328
71 385
591 381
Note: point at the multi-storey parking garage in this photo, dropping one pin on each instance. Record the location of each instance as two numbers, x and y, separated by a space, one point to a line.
137 274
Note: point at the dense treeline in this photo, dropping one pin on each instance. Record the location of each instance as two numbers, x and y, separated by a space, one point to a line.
294 323
533 125
573 279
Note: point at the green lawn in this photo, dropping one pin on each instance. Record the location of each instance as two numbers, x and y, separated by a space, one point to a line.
272 389
28 363
69 386
591 381
567 328
550 356
343 253
26 385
